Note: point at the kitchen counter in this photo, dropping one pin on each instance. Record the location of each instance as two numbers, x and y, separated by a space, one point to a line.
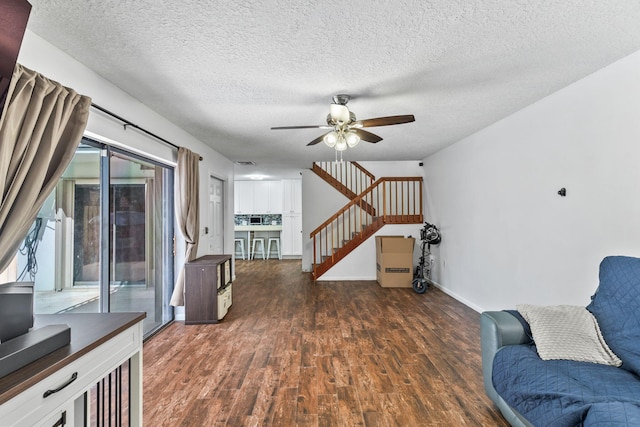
258 228
250 232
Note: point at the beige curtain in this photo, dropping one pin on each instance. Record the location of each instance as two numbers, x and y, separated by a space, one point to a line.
187 212
41 127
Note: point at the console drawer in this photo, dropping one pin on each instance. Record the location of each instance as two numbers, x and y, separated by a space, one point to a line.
224 301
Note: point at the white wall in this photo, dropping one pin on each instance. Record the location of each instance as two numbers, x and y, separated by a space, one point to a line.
39 55
319 202
507 236
396 168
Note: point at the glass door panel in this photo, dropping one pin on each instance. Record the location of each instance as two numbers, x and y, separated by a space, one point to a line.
86 229
139 237
60 253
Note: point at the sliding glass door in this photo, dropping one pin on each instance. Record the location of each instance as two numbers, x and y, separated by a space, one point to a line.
140 237
103 242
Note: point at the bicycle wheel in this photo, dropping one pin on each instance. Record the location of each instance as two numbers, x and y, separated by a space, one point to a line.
419 286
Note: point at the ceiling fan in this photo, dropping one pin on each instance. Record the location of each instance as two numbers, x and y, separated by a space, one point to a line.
345 130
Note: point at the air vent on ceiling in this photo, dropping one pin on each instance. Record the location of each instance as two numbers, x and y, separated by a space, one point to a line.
249 163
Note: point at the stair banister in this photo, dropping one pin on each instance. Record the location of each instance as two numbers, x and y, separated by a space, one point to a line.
355 222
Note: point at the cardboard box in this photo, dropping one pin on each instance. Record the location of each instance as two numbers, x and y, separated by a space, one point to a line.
394 261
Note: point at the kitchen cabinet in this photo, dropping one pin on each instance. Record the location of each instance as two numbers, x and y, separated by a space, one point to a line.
292 197
258 197
207 289
291 236
243 197
267 197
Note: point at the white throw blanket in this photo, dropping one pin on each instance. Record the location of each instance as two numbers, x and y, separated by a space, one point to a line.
567 332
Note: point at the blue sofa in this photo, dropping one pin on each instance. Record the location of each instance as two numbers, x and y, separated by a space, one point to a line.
530 391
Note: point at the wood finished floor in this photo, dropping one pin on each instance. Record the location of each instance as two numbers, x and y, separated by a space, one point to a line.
291 352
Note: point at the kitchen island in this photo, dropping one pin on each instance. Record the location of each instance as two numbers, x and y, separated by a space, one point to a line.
250 232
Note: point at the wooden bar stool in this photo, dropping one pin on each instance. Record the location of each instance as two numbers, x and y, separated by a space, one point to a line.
239 244
275 240
258 241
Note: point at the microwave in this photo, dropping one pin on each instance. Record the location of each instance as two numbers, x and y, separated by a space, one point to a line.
255 220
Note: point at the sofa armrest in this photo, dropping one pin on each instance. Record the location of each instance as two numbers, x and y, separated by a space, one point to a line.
499 329
503 328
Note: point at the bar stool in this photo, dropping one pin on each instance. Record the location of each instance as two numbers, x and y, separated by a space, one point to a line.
275 240
259 240
239 244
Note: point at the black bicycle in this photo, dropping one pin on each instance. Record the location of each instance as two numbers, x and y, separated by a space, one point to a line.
430 235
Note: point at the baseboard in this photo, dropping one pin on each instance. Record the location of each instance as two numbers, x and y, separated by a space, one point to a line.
458 297
345 279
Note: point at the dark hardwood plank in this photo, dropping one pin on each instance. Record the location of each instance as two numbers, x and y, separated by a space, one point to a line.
294 352
307 393
328 410
349 408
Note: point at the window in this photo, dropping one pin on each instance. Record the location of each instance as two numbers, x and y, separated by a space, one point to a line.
103 241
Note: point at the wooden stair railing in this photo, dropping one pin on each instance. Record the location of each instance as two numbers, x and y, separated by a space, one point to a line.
346 177
349 178
396 200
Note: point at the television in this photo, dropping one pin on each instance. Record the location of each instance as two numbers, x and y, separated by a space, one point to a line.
14 15
16 309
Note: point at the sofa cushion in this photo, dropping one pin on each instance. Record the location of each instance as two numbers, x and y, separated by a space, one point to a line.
616 306
554 393
613 414
567 332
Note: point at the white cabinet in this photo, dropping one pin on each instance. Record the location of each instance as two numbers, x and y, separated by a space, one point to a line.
243 197
275 197
292 197
53 388
292 217
267 197
258 197
291 236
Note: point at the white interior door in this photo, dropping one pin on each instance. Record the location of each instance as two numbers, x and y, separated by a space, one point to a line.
216 212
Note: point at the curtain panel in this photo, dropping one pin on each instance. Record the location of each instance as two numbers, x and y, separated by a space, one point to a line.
40 129
187 209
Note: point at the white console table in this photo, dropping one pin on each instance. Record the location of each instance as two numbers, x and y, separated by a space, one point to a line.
54 388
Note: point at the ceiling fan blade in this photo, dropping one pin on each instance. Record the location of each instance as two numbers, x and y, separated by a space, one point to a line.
386 121
317 140
367 136
303 127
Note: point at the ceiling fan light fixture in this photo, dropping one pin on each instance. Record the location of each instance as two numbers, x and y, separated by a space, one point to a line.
352 139
331 139
341 144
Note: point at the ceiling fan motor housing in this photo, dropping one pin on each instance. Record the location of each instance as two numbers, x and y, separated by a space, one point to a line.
332 122
341 99
339 114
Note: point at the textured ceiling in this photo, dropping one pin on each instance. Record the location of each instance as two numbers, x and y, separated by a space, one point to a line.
228 71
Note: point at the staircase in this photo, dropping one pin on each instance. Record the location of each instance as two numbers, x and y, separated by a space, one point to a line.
389 200
349 178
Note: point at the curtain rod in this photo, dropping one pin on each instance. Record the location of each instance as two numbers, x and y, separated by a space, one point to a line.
133 125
